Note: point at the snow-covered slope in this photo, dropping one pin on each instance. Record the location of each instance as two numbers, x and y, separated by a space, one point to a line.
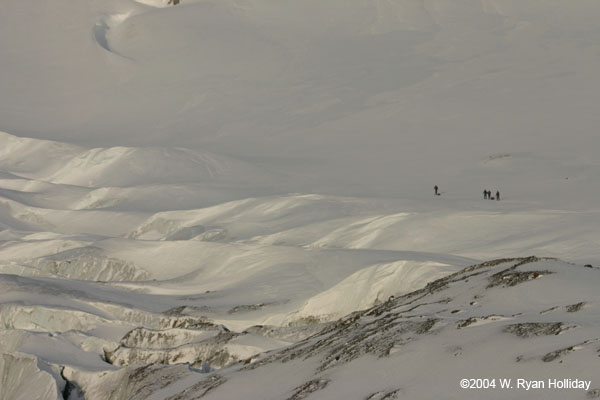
347 97
202 181
59 163
507 321
96 280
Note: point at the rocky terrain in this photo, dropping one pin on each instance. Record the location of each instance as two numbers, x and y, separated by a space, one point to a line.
502 319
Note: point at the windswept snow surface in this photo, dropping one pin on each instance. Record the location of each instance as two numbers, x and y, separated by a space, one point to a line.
198 183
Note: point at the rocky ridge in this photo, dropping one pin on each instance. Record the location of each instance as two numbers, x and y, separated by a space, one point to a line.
451 320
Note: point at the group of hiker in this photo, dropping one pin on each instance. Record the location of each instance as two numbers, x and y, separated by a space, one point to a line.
487 194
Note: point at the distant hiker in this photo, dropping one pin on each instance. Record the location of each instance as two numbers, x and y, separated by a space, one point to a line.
485 194
436 190
497 195
489 195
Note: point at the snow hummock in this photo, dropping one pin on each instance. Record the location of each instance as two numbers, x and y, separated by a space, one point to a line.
94 260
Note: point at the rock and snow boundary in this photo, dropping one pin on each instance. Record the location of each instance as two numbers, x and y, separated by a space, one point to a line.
508 319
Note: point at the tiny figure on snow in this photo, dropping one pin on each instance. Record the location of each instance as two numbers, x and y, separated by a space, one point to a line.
497 195
485 194
436 190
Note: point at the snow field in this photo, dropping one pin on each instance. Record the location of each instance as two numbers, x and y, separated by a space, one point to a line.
216 183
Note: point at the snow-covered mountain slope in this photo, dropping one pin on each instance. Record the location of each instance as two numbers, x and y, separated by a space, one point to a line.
524 320
59 163
95 281
120 276
348 97
202 181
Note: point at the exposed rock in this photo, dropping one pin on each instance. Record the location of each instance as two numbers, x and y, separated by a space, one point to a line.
287 333
466 273
169 338
386 330
393 395
512 278
549 310
305 321
248 307
425 326
381 329
140 382
209 351
593 394
466 322
176 311
188 322
491 263
575 307
530 329
350 338
309 387
553 355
